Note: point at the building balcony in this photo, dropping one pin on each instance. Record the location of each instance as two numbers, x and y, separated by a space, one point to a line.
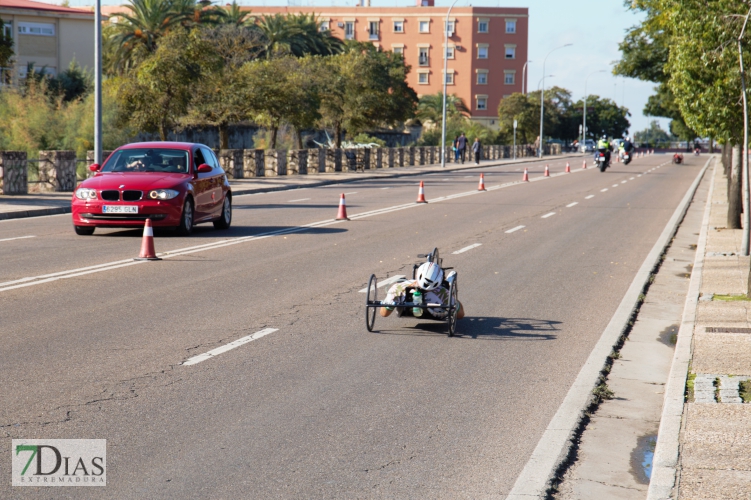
424 61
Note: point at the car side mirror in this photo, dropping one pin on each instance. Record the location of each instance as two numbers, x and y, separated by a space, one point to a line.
204 168
94 167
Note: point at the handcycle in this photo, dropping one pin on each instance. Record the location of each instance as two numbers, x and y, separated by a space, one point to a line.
372 304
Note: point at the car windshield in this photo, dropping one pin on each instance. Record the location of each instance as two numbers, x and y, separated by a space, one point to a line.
173 161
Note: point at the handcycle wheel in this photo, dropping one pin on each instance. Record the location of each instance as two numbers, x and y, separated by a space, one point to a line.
454 311
371 296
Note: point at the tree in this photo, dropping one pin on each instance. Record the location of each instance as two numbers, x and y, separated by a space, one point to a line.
73 83
518 107
604 117
237 16
430 107
296 35
156 96
6 53
652 135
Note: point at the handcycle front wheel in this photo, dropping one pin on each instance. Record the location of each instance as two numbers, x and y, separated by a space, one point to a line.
454 311
371 296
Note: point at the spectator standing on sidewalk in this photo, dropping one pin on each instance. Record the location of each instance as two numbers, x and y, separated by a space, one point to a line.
461 145
477 150
456 148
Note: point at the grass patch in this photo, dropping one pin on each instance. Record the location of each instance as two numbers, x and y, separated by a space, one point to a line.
716 384
744 389
602 392
731 298
690 387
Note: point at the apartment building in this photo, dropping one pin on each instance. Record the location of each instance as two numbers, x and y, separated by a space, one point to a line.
48 36
487 46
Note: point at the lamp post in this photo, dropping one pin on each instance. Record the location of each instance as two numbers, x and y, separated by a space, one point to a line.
445 73
745 173
524 78
98 82
542 93
584 126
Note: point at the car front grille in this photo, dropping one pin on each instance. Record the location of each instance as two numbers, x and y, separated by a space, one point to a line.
132 195
111 195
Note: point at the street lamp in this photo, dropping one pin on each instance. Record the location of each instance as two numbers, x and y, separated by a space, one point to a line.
584 126
98 83
542 93
445 74
524 78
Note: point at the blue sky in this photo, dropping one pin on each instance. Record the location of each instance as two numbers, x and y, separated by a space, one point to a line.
595 27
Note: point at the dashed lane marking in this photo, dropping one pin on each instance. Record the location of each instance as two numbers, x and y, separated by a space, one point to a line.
301 199
631 179
624 182
615 185
465 249
514 229
548 215
353 192
18 238
232 345
589 197
603 190
385 282
572 204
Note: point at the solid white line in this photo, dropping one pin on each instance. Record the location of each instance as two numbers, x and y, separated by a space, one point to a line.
534 479
548 215
589 197
514 229
17 238
603 190
465 249
353 192
301 199
572 204
386 188
237 343
385 282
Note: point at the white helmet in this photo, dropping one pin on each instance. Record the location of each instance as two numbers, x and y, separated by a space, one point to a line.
429 276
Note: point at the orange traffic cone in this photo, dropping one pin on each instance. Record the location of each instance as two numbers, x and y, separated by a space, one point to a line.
525 178
584 164
421 194
481 187
342 215
147 244
547 171
568 168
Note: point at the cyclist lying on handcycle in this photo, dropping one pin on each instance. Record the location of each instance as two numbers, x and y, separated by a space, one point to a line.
428 287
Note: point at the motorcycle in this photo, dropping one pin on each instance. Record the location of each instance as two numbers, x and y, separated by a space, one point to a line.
626 157
601 161
697 151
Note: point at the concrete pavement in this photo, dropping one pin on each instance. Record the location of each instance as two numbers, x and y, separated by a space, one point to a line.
320 407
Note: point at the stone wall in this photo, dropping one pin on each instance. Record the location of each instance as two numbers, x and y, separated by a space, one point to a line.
57 171
14 172
253 163
231 160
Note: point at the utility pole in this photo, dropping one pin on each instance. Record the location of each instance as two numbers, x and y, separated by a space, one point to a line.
445 74
98 82
542 93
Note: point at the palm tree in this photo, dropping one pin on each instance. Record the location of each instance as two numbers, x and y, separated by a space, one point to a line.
297 35
195 12
430 107
235 15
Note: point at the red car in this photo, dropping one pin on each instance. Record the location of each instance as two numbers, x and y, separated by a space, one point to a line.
175 184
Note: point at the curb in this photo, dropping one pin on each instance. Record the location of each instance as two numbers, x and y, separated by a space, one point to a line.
665 461
553 447
20 214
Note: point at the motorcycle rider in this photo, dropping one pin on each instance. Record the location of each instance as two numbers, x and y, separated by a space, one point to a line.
604 146
626 146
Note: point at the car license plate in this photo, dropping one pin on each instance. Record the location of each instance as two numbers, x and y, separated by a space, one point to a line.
120 209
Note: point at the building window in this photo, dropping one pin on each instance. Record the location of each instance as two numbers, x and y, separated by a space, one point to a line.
482 78
424 26
450 78
482 25
38 29
482 103
450 27
510 52
422 78
373 29
423 57
509 78
482 52
398 26
398 50
510 26
450 51
324 26
349 30
8 29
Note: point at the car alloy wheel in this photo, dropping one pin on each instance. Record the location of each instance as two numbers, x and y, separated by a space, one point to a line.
186 220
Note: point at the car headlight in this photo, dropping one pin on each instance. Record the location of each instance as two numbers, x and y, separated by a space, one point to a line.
163 194
86 194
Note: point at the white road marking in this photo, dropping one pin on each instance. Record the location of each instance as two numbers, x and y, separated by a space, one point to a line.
17 238
603 190
301 199
445 179
386 188
353 192
514 229
465 249
639 175
624 182
589 197
615 185
548 215
228 347
572 204
468 176
631 179
385 282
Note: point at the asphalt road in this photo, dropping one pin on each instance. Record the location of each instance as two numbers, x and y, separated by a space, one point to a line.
320 408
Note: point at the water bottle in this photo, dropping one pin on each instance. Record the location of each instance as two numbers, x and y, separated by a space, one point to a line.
417 298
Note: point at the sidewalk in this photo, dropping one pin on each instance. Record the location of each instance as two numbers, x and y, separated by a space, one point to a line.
35 205
715 437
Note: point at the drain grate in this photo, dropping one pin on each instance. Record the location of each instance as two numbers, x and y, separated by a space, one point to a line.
725 329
